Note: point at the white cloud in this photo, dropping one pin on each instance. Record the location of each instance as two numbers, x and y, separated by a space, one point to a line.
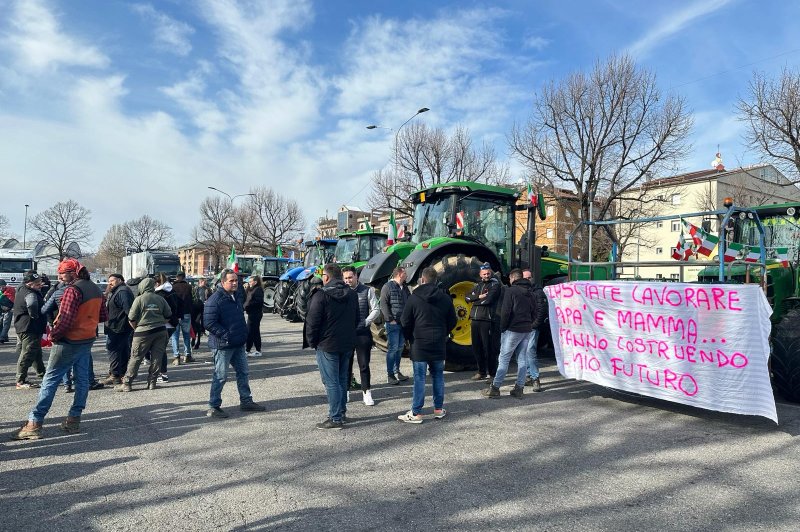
171 35
38 44
534 42
674 23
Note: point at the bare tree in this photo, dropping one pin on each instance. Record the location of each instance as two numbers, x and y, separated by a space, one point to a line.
62 224
242 226
3 226
771 111
212 231
147 233
277 219
112 248
601 133
424 157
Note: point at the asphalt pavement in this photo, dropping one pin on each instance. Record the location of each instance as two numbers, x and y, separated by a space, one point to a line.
574 457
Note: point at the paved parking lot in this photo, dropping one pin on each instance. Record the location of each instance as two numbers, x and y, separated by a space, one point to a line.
575 457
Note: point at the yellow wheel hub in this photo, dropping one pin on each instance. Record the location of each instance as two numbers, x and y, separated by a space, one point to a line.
462 332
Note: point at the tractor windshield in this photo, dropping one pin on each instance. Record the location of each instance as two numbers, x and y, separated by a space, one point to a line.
780 231
344 250
312 257
431 219
489 222
369 246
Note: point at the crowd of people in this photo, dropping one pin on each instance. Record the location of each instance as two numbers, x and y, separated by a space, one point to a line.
145 316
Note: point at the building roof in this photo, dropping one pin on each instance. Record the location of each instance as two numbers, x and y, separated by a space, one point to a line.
700 175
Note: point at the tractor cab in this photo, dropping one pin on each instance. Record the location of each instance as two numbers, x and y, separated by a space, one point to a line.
358 247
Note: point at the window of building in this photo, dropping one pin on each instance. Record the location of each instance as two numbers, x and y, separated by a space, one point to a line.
659 224
550 210
659 276
659 251
676 199
672 250
675 226
674 276
549 233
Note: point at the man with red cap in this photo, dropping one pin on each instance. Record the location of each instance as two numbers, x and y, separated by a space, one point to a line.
73 334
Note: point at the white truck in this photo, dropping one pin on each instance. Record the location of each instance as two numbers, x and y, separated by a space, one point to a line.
14 263
150 263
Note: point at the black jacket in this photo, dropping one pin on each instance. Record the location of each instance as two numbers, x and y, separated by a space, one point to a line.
332 319
539 306
119 304
517 314
27 314
254 301
486 308
183 291
174 306
427 320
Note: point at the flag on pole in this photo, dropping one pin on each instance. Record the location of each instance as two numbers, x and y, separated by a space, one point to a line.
232 263
367 225
753 254
460 220
733 251
401 232
279 251
532 198
704 241
682 250
392 236
782 254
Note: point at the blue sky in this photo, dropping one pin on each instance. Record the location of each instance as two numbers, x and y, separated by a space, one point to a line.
135 108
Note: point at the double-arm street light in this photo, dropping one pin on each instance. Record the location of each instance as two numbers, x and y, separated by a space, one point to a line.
231 197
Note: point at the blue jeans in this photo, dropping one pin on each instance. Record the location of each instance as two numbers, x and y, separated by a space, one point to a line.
511 344
394 347
184 326
62 358
533 366
236 357
335 373
437 378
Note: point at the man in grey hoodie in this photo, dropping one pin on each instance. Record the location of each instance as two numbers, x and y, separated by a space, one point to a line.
148 317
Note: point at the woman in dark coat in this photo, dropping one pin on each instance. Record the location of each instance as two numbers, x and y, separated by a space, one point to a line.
254 308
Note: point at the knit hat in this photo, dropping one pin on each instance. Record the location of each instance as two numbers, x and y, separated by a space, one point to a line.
486 266
69 265
30 276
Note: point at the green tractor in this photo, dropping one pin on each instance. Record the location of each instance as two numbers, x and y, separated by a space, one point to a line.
356 248
781 224
457 227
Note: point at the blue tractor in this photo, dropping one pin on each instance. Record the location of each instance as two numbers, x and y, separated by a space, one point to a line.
273 269
297 281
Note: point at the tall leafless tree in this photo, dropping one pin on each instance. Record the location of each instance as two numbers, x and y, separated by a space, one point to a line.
62 224
277 219
242 229
600 133
147 233
3 226
212 231
771 110
424 157
112 248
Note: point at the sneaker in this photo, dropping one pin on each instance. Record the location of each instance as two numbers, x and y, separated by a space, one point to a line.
29 431
188 359
348 397
71 425
111 380
517 392
368 400
97 385
410 417
529 381
537 386
330 424
345 419
252 406
401 377
176 361
216 412
151 385
479 377
439 413
257 353
162 378
26 385
492 391
392 379
354 384
124 387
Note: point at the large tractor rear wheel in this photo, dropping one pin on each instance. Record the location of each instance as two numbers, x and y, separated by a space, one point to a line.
458 275
270 287
785 363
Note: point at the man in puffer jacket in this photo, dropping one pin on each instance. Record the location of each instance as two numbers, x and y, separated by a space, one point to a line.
223 317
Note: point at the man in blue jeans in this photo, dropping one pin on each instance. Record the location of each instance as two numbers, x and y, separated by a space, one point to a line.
330 329
427 320
516 322
394 295
73 334
227 333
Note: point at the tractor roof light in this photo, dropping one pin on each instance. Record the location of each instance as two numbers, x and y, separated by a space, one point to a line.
728 202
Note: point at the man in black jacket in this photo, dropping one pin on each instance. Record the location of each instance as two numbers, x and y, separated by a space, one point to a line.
330 329
484 298
540 308
30 324
516 323
118 330
183 291
427 320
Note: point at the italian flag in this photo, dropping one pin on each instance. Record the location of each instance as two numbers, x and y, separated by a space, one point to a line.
753 254
704 241
533 198
392 236
401 232
733 251
682 252
279 251
782 254
232 263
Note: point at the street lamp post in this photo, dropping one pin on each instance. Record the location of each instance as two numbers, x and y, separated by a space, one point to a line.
25 228
229 196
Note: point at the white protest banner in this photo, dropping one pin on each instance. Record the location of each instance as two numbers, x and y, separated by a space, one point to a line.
698 344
